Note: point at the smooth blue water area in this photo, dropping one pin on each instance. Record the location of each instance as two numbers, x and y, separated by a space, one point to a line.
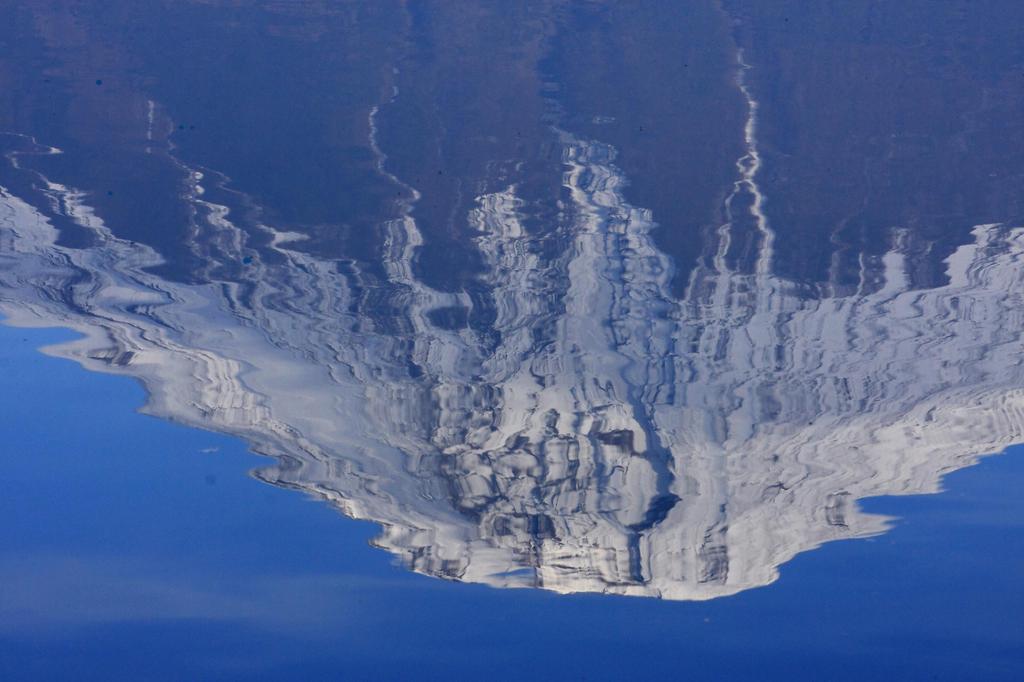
129 549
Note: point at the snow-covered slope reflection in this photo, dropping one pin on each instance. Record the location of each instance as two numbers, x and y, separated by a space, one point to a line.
598 435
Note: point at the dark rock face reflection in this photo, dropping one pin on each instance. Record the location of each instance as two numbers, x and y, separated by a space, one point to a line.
477 335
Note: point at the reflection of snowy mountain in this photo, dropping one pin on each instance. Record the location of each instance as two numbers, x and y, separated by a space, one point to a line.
599 435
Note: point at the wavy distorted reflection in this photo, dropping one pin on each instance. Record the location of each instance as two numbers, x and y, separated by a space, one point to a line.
599 434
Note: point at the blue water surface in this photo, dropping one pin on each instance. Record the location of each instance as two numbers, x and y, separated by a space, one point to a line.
137 549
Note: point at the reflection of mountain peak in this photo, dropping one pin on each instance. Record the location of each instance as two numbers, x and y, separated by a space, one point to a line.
597 434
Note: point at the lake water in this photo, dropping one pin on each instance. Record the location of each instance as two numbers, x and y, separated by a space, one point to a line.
483 340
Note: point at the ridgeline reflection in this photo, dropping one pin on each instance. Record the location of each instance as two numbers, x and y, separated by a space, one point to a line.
597 433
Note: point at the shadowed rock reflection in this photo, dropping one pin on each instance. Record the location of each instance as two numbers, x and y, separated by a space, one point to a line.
599 433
